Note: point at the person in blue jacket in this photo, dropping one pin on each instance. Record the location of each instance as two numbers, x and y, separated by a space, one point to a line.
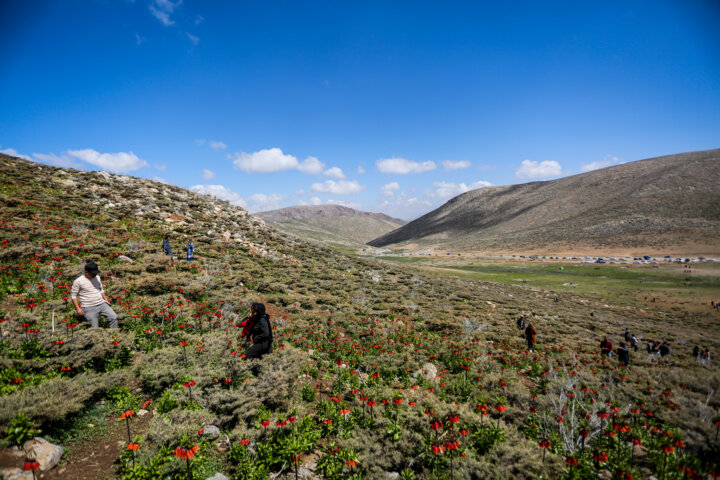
190 249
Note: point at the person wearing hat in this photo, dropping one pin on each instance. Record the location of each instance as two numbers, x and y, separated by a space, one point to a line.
89 297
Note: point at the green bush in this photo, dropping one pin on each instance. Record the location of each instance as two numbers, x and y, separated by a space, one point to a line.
20 430
167 402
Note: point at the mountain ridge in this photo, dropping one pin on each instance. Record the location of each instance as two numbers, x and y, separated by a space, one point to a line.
659 202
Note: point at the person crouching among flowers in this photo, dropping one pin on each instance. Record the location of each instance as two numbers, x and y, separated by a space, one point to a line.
256 329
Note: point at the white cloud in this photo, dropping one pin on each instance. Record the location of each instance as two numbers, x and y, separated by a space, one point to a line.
342 187
162 167
121 162
403 166
311 165
544 169
160 180
274 160
215 145
162 9
360 169
59 161
262 202
195 40
334 172
199 19
208 174
267 160
316 201
449 189
402 206
200 141
389 189
14 153
608 161
221 192
139 39
451 165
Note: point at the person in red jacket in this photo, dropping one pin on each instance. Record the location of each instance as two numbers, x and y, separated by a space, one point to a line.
257 329
606 347
530 336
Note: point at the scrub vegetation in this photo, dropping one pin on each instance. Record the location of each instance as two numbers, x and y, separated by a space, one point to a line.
378 369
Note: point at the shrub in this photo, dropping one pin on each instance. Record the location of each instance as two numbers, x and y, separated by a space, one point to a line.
20 430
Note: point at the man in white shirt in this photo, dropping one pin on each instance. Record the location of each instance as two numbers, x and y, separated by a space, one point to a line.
89 297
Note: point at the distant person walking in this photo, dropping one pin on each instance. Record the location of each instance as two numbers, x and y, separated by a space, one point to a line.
634 342
530 336
166 247
606 347
521 323
664 349
89 297
190 249
623 354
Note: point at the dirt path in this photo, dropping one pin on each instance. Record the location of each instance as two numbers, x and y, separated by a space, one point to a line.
93 457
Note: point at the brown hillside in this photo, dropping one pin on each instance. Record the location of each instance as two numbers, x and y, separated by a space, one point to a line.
665 202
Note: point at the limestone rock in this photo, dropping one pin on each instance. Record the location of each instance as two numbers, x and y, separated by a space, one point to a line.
211 431
125 259
428 371
15 474
218 476
44 452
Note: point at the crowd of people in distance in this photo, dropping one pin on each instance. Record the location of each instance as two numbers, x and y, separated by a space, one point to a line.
715 304
622 353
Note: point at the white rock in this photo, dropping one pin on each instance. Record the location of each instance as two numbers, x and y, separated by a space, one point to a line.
44 452
142 412
428 370
218 476
211 431
15 473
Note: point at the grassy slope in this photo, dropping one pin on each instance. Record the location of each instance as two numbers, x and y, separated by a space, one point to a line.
382 322
343 231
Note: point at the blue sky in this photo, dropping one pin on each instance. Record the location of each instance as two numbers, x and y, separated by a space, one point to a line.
383 106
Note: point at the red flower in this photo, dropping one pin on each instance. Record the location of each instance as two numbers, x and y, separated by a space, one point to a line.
34 465
133 446
265 423
371 403
186 453
500 408
183 343
571 461
668 449
189 384
351 463
600 457
397 401
244 441
438 449
127 414
545 444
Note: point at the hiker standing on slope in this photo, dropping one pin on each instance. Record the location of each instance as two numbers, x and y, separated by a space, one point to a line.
166 247
89 297
190 249
606 347
530 336
623 354
256 328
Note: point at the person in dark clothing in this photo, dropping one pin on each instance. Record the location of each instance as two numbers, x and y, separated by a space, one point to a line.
696 352
623 354
521 323
166 247
530 336
664 349
256 329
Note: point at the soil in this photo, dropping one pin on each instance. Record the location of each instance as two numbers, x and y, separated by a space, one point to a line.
94 457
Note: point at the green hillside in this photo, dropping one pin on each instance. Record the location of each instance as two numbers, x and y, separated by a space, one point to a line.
378 371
